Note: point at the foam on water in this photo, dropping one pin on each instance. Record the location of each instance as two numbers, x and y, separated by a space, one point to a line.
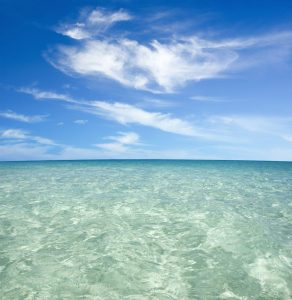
146 230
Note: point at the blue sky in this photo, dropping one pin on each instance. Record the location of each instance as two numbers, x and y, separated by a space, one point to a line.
146 79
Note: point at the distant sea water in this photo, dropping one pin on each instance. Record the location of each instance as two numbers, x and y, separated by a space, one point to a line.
146 230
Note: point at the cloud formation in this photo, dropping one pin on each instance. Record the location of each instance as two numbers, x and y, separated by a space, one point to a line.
270 126
124 113
19 134
220 128
39 94
19 144
81 122
129 114
206 99
126 138
92 23
121 142
158 66
9 114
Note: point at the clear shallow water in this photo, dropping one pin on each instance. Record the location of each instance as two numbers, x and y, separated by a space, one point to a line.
146 230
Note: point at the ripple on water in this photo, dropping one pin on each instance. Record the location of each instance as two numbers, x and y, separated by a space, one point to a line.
146 230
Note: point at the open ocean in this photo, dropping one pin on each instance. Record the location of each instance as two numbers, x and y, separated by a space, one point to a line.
146 230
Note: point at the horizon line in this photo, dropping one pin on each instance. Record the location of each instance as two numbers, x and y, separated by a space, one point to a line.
143 159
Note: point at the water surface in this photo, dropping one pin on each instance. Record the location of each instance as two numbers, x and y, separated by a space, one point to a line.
146 230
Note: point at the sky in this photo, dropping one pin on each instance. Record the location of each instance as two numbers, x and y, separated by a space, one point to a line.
196 79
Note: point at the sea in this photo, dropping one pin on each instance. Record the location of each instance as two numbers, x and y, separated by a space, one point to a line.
146 229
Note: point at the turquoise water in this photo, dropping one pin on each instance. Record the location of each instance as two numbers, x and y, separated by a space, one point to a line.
146 230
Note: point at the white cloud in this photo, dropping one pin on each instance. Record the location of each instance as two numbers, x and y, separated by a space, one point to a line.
22 118
81 122
75 31
217 128
121 142
252 123
18 144
19 134
112 147
156 67
24 151
92 23
70 152
28 151
157 103
42 140
206 99
124 113
126 138
160 66
38 94
129 114
269 126
13 134
100 16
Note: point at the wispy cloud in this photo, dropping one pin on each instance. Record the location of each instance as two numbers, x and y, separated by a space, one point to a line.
9 114
206 99
124 113
13 134
92 23
250 123
39 94
156 103
222 128
129 114
24 151
125 138
20 134
160 66
156 67
17 144
81 122
271 126
121 142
